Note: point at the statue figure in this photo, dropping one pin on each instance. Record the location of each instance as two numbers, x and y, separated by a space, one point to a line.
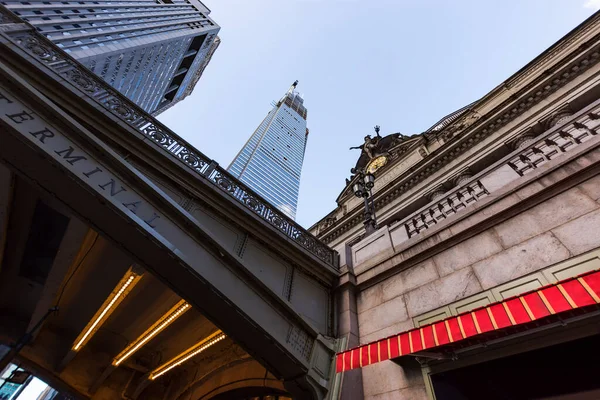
370 145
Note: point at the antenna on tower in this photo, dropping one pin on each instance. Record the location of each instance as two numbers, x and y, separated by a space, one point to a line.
293 86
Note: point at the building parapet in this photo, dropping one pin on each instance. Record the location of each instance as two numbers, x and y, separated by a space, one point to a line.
546 147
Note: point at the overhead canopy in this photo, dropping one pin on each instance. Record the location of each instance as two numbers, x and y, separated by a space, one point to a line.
542 306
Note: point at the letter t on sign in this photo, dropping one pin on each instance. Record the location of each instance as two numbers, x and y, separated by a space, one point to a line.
3 97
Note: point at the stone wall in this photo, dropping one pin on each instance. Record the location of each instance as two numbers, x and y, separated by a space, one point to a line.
557 229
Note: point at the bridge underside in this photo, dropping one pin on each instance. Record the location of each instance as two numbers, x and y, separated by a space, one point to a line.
159 296
51 258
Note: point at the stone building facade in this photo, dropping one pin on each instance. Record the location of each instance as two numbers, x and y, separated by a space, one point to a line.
494 207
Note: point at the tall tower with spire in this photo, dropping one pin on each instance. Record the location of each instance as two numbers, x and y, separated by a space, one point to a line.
271 160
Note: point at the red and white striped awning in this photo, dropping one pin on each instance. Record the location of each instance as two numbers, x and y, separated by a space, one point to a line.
541 306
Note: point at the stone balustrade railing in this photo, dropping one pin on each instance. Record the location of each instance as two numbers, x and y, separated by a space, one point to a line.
546 147
450 205
40 48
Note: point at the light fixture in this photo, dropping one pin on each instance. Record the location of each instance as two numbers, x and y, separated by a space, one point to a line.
362 188
357 188
186 355
129 280
369 180
167 319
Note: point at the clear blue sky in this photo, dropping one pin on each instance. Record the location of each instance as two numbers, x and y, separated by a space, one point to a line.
401 64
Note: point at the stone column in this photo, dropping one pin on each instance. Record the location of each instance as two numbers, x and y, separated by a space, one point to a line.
351 384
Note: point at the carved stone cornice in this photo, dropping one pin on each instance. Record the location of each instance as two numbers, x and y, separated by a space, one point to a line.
478 131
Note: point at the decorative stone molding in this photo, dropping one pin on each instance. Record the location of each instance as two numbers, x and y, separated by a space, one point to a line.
466 121
450 205
7 17
523 141
552 144
437 193
556 143
462 178
559 117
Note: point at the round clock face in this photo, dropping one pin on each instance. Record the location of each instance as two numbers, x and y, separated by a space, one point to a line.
376 163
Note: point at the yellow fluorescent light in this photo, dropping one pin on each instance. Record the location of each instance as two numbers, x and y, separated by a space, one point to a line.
186 355
129 280
171 316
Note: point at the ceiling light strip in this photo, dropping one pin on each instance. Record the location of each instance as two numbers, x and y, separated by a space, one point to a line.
186 355
167 319
129 280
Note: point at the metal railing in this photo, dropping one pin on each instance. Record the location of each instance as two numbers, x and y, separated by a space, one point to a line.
94 87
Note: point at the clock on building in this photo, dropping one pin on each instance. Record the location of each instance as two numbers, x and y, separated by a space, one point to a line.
376 163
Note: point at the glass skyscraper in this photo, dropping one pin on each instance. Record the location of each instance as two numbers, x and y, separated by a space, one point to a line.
271 160
149 50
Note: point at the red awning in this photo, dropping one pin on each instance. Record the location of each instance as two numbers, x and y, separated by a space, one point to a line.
516 313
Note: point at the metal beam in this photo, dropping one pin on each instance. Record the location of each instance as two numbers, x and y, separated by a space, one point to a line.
71 252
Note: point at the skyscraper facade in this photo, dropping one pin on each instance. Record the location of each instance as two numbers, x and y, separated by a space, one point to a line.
271 160
190 87
149 50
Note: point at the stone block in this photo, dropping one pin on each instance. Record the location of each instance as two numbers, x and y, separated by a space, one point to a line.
346 299
482 210
500 205
393 329
382 316
409 393
369 298
398 235
591 187
348 323
409 279
466 253
440 292
387 376
499 178
352 386
581 234
373 245
545 216
530 190
529 256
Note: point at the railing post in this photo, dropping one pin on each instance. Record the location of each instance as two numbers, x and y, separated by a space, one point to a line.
211 167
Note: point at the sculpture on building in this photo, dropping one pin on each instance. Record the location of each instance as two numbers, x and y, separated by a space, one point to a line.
375 147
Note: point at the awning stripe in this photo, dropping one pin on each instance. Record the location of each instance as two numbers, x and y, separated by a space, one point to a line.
567 295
